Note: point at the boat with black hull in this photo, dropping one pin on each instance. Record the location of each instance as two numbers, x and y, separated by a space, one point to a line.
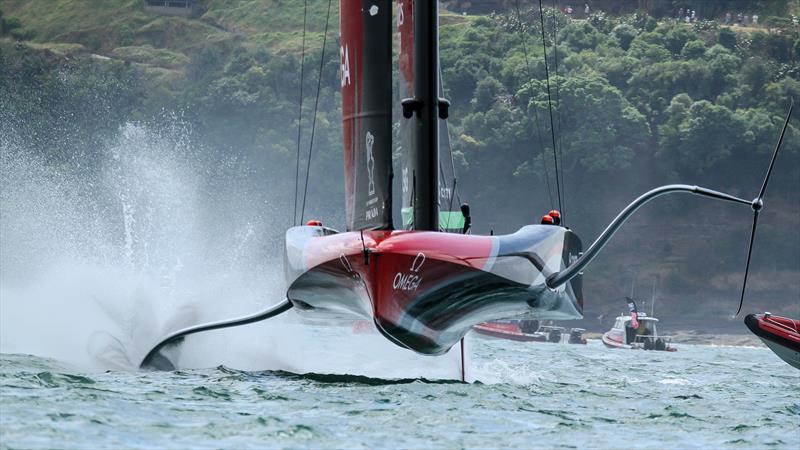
426 285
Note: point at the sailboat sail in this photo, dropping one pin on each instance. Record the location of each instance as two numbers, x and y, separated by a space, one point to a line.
450 217
366 83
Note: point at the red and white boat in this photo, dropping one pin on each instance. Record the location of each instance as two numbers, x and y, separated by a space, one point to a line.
426 285
528 330
645 337
780 334
515 330
422 288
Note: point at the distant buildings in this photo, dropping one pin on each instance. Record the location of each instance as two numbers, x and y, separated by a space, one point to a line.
171 7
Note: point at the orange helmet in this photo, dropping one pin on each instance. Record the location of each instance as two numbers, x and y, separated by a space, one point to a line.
556 216
547 220
314 223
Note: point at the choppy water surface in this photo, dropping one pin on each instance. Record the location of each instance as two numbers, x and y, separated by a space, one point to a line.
542 395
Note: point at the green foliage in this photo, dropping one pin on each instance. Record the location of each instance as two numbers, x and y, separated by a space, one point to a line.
486 93
755 74
649 47
726 37
625 34
677 36
686 135
604 131
580 36
602 21
694 49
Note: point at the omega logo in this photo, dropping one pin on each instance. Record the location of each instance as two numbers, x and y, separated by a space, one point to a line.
410 281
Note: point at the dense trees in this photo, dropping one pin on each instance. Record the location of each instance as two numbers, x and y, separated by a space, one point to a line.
627 90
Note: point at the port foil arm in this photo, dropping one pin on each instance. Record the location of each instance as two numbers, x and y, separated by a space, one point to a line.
154 359
557 279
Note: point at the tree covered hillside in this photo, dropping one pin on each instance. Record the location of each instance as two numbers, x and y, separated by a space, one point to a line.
637 101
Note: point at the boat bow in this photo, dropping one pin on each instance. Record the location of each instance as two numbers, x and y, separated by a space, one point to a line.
425 290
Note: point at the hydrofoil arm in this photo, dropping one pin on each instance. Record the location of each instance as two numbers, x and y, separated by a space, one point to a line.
557 279
155 360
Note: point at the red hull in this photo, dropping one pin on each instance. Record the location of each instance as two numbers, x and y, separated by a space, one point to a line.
507 331
425 290
610 340
780 334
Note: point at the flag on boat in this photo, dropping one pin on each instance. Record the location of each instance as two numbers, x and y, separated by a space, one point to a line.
634 313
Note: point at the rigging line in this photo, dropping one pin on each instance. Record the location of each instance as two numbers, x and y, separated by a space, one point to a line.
450 147
558 113
300 114
535 109
316 107
550 104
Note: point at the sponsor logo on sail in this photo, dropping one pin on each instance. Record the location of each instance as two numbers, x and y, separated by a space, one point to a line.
344 68
370 163
400 17
444 192
371 210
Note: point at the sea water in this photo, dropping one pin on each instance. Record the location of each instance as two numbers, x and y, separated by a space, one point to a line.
97 265
524 395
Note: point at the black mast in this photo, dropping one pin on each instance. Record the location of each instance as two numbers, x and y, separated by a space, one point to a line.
424 109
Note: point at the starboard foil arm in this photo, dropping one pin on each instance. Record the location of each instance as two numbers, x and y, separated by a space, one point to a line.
156 361
557 279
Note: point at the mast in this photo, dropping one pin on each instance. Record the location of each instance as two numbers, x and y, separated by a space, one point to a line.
424 110
366 82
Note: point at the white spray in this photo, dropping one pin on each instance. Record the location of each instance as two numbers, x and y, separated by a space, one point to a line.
97 266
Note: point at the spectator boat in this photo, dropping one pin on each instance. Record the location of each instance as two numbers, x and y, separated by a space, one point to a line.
525 330
529 330
645 337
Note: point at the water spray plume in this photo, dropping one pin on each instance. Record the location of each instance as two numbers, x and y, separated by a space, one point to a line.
101 259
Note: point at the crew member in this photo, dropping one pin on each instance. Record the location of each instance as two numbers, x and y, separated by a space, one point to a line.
556 216
547 220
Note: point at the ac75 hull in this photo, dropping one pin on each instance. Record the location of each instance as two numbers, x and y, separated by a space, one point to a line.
425 290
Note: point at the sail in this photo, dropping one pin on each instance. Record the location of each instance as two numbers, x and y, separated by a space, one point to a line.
450 216
366 83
